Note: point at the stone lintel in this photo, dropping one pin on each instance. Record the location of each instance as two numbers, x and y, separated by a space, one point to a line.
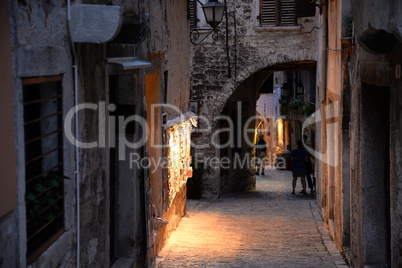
95 23
42 61
376 73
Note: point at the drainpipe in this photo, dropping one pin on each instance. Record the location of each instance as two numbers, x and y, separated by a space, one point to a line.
76 121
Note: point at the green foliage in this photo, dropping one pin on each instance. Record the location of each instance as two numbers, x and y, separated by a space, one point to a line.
291 104
43 200
309 109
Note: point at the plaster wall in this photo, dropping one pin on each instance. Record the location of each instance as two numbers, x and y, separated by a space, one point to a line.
40 48
335 185
375 70
167 47
8 214
384 15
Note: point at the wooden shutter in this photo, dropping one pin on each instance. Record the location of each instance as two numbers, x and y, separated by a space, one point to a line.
278 13
192 13
287 13
268 13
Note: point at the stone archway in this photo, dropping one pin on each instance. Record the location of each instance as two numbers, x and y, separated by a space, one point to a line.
211 108
251 50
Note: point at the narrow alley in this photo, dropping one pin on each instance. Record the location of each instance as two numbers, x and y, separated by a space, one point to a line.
132 131
264 228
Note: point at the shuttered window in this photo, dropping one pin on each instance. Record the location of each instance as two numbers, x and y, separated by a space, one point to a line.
192 13
277 13
268 12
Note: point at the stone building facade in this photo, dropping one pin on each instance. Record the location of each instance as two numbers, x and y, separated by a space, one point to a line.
112 59
359 88
255 50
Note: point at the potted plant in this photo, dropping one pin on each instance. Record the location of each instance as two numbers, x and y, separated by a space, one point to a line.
309 108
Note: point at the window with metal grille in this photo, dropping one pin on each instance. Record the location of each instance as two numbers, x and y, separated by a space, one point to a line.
44 196
192 13
277 13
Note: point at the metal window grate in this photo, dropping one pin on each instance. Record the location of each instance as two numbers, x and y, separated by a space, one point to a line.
44 196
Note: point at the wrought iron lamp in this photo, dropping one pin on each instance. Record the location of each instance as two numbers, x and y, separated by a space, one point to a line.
299 90
285 90
213 12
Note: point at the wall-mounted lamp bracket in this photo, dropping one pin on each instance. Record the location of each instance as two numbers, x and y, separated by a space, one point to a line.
214 12
195 35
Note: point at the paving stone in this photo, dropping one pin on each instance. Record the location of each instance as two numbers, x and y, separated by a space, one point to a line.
268 227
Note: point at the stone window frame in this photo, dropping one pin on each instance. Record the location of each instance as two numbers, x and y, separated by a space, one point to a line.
55 83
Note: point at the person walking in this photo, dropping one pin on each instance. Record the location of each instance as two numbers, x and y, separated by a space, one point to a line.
309 169
299 160
261 151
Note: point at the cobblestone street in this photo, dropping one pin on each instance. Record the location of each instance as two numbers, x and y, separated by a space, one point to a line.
268 227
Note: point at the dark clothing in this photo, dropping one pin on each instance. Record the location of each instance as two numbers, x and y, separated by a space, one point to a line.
287 155
309 172
299 162
309 180
261 151
261 148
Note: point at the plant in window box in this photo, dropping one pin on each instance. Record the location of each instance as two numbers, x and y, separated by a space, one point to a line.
309 108
44 198
296 104
291 104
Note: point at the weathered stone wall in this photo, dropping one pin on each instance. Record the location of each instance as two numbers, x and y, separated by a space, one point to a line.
93 186
240 107
362 72
252 48
360 164
40 48
168 48
396 162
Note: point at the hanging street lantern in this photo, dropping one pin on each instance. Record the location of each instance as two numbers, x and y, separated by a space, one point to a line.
299 90
285 90
213 11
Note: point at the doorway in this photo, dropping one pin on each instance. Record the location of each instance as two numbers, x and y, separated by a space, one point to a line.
375 143
126 179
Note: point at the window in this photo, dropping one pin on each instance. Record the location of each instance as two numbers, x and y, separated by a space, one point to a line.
277 13
192 13
44 194
196 14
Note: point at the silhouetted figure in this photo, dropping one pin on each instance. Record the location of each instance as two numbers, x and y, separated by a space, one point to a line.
260 154
299 159
309 170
